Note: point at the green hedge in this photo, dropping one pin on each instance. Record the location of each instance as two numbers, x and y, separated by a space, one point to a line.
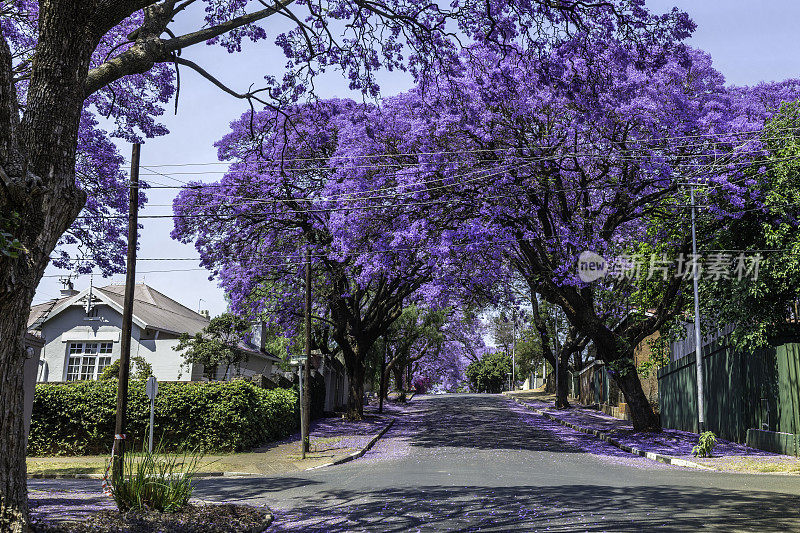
78 418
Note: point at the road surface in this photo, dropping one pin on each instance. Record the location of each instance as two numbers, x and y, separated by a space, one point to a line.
482 463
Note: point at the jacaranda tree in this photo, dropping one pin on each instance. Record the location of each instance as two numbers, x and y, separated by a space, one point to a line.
282 203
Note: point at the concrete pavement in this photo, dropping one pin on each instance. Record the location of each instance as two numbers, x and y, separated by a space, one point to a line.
482 463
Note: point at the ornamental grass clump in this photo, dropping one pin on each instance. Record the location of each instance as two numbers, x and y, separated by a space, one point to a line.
155 481
705 444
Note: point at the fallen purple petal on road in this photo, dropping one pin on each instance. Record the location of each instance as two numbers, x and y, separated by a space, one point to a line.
668 442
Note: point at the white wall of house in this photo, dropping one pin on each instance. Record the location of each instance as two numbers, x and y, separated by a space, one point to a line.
256 364
72 326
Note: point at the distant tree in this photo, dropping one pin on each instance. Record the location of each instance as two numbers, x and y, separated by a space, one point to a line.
415 335
216 345
9 244
529 352
503 332
489 373
143 370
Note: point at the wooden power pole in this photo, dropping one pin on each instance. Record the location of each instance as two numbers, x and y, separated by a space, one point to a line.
127 317
305 420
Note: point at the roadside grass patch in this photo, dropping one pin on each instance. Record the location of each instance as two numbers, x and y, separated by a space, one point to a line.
755 465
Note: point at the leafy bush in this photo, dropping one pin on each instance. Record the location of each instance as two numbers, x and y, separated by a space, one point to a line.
489 373
705 444
155 480
78 418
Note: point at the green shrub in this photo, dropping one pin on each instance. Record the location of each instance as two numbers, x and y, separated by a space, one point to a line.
78 418
156 481
705 444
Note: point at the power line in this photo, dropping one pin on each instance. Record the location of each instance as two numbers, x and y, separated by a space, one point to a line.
485 150
477 172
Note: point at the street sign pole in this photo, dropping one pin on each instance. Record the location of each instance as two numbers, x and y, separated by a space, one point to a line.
152 389
302 413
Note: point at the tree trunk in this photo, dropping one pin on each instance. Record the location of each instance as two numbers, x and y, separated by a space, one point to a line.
37 155
397 370
623 372
562 383
355 399
14 310
643 417
382 384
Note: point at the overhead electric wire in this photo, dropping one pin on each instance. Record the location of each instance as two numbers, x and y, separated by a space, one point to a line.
412 192
252 201
700 168
481 150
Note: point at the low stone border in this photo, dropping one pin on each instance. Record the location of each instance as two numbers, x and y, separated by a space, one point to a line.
362 451
602 435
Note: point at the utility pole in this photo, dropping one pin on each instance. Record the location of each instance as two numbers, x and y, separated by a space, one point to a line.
305 417
118 450
701 419
382 384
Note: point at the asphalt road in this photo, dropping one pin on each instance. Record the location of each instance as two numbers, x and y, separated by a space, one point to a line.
481 463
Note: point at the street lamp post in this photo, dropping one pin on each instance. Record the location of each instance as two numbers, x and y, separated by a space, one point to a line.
514 351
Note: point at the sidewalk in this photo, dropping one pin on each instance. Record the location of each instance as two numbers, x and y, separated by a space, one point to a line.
332 439
671 443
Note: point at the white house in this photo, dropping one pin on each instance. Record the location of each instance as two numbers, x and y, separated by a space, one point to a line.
82 330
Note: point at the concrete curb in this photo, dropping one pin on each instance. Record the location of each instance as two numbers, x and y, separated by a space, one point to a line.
362 451
201 475
602 435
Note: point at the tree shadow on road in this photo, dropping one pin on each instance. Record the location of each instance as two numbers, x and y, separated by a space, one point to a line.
553 508
490 422
230 489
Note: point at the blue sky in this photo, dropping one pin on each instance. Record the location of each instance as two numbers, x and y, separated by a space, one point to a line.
749 41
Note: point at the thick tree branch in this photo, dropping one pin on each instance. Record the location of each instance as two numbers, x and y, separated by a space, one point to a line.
205 34
151 49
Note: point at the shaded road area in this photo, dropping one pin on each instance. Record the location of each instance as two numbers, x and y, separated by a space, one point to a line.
482 463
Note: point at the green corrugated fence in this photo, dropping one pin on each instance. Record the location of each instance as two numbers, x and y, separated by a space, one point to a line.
758 390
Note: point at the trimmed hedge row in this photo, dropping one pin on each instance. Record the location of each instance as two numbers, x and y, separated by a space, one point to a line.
78 418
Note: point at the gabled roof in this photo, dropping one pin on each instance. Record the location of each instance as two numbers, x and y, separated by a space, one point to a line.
39 312
151 309
157 311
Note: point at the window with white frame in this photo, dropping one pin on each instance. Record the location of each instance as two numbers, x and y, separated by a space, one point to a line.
87 360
